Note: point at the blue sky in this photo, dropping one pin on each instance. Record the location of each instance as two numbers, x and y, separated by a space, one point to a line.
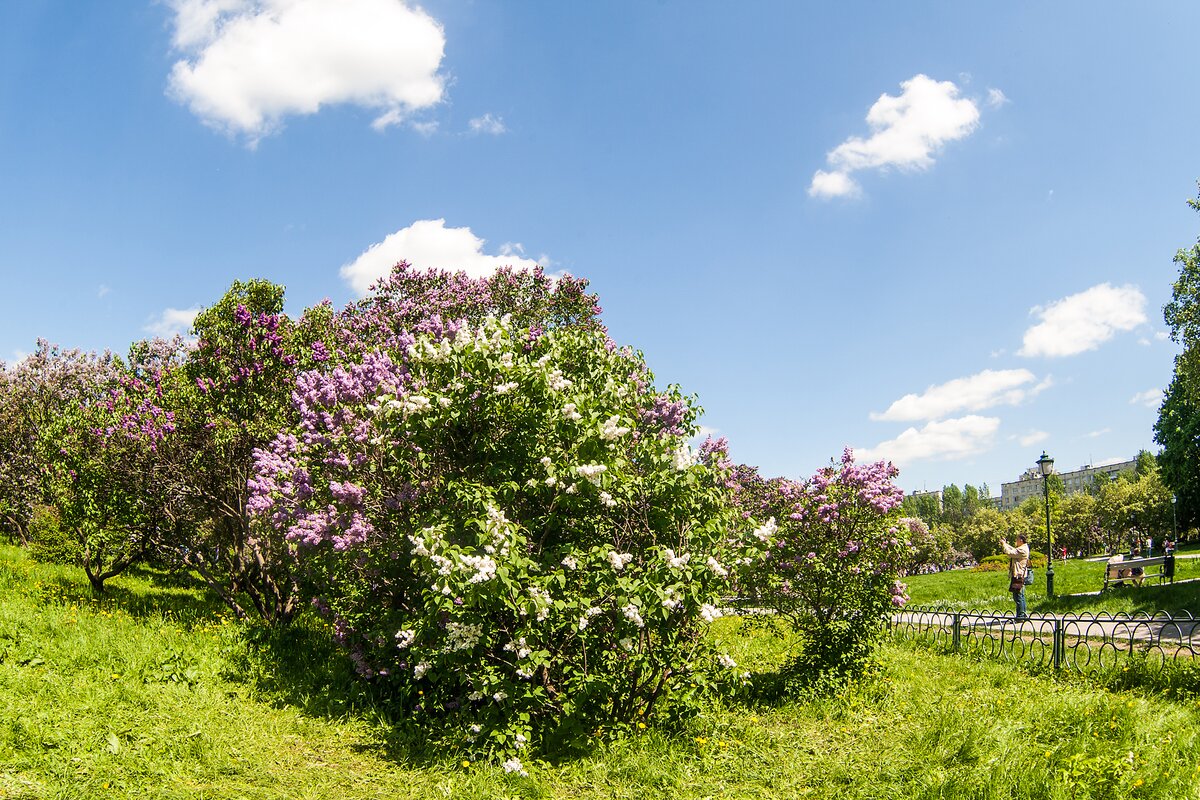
937 232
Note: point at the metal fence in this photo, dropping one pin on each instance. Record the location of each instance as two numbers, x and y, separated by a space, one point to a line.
1082 643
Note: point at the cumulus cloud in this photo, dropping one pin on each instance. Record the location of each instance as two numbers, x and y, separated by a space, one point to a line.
488 124
1151 398
172 321
973 393
429 243
1099 433
947 440
250 63
907 131
103 290
1084 321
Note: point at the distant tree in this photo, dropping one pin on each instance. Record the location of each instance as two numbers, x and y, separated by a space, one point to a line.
1178 425
971 501
924 506
952 504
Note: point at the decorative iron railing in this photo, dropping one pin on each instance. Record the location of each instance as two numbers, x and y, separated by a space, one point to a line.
1079 642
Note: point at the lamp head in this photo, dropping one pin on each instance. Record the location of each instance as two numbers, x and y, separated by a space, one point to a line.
1045 464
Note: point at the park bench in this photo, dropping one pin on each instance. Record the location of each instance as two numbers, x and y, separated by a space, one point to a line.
1137 570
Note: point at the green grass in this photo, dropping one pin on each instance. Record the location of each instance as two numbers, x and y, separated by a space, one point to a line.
156 693
1075 585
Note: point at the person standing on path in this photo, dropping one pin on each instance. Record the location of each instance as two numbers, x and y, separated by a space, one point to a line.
1018 565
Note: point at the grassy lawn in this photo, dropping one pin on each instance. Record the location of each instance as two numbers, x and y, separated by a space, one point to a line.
1075 584
155 692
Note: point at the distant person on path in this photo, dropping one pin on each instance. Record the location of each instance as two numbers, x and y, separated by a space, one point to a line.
1018 565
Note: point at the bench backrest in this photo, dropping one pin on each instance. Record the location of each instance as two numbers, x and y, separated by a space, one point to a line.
1115 567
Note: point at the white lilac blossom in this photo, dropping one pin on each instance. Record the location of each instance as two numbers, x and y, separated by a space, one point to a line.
627 644
683 457
543 601
404 638
506 360
461 636
572 489
709 612
591 471
587 615
505 388
551 481
607 499
571 413
414 404
726 661
545 461
619 560
674 561
559 384
514 765
484 566
475 697
520 740
716 567
570 562
633 614
671 602
500 697
612 429
420 669
766 530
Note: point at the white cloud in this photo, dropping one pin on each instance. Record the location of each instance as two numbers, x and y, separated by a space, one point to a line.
1099 433
1084 321
1161 336
906 133
974 393
429 243
1108 462
1032 438
172 321
250 63
488 124
946 440
103 290
833 184
425 128
1151 398
997 98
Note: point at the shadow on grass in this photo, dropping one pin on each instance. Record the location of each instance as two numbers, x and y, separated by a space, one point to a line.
141 592
1148 598
301 666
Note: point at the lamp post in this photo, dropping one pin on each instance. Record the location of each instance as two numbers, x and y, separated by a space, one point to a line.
1174 532
1046 465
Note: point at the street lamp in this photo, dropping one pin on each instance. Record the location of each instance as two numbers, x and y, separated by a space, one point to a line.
1174 533
1046 465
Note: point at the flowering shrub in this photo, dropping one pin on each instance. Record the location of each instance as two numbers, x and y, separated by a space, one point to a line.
825 554
504 529
106 457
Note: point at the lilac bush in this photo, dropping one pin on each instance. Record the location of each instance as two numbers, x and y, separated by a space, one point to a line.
503 529
826 555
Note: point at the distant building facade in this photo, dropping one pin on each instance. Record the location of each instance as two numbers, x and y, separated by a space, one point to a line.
1029 484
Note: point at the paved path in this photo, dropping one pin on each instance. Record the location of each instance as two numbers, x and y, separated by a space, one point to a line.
1153 629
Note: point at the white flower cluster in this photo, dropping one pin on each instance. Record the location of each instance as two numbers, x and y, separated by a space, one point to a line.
683 457
674 561
570 412
505 388
672 601
404 638
709 612
626 644
612 429
484 566
607 499
634 615
520 647
726 661
570 562
558 383
420 669
411 404
716 567
592 472
461 636
764 532
506 360
587 615
425 348
542 600
619 560
514 765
